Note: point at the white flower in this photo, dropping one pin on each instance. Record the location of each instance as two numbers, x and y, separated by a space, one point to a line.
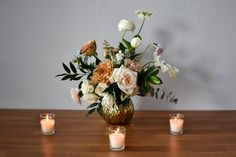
158 49
143 14
90 98
100 88
160 63
136 42
87 87
108 101
74 92
125 25
126 79
109 105
119 57
173 71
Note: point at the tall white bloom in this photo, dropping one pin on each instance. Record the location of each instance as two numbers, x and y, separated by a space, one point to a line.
90 98
125 25
143 14
100 88
86 87
126 79
74 92
136 42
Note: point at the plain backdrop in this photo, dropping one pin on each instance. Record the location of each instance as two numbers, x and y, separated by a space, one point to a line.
36 36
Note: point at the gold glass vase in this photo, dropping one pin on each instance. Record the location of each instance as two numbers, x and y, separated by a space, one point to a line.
119 114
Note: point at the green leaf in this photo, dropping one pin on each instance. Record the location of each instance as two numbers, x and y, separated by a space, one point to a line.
90 112
73 68
156 93
60 75
155 80
87 66
150 71
82 70
66 77
122 47
111 88
78 78
80 84
92 105
99 109
127 44
66 68
163 94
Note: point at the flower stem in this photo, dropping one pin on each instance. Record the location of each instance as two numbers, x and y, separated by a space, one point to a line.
141 26
147 63
123 34
144 51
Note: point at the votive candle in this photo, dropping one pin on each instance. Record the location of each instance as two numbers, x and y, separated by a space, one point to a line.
47 123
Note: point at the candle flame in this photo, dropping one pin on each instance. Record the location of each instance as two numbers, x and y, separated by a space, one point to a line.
47 117
117 131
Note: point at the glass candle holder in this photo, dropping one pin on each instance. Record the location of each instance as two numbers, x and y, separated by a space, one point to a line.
176 123
117 138
47 121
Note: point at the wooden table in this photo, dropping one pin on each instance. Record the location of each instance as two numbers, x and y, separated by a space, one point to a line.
206 134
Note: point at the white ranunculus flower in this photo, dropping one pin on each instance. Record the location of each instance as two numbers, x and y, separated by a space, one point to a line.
136 42
86 87
125 25
74 92
126 79
108 101
100 88
90 98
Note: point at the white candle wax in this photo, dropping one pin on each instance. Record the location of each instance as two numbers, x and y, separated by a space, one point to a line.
117 140
176 125
47 125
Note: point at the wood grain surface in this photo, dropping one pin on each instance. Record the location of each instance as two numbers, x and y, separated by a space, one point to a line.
206 134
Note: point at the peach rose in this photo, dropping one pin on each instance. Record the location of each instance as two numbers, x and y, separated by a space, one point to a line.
74 92
89 48
102 73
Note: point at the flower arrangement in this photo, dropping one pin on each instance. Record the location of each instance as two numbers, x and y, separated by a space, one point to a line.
122 74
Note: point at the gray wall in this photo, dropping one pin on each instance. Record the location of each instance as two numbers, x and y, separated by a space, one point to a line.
36 36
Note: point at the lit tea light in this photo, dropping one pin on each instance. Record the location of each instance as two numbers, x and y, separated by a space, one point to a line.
117 138
176 123
47 123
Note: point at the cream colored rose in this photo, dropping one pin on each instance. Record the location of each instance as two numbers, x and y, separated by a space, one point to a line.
125 25
74 92
126 79
136 42
100 88
86 87
90 98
